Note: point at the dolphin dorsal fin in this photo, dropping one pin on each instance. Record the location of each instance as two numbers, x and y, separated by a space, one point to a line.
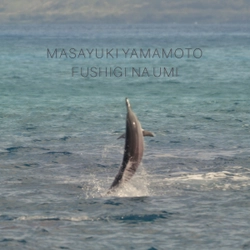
147 133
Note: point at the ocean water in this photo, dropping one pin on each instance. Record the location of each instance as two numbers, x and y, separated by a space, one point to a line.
59 151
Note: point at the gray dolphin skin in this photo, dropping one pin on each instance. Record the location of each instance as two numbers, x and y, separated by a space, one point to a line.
133 150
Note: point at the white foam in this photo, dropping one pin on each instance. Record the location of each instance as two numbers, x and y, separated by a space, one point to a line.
209 176
231 178
63 218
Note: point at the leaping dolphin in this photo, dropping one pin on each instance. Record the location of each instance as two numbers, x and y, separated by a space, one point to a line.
133 150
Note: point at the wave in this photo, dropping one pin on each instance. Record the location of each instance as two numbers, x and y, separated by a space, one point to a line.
133 217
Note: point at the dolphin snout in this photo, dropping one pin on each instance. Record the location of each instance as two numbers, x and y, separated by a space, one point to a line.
127 102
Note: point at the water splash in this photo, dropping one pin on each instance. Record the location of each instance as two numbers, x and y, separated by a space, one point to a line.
98 187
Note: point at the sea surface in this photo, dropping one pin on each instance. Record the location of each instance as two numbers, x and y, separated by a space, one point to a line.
59 151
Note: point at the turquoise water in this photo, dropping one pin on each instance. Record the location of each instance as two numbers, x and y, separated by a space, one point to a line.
59 150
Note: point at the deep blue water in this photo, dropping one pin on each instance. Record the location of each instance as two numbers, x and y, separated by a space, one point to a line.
59 150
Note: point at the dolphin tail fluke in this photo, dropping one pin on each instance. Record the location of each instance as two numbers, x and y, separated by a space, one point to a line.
147 133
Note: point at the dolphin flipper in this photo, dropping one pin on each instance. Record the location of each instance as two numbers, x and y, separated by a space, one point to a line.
147 133
122 136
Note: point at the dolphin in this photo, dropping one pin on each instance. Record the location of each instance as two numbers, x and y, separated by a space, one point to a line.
133 150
